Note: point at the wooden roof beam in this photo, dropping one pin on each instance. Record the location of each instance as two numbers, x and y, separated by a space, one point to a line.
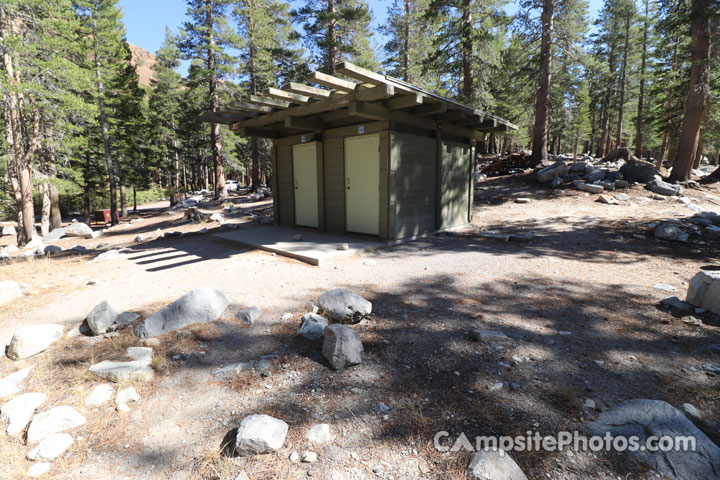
430 109
302 89
334 83
375 93
405 101
250 106
254 132
452 115
269 102
236 112
304 123
363 74
286 96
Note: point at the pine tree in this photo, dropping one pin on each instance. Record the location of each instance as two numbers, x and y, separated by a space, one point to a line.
39 81
337 30
206 37
165 105
410 41
268 56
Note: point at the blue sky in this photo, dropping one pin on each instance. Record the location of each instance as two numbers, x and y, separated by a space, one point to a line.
145 20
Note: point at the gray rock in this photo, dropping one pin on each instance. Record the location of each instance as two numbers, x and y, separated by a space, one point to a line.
320 433
594 175
52 447
16 413
33 339
232 370
101 318
127 395
556 182
578 167
548 174
8 230
78 230
99 395
202 305
675 302
11 250
607 199
344 306
54 235
622 197
489 336
494 465
642 418
123 371
308 457
607 185
259 434
109 255
505 237
690 410
586 187
242 314
55 420
621 184
144 237
7 388
312 326
140 354
9 291
664 286
670 232
39 469
342 346
638 171
704 290
52 249
523 236
123 320
656 185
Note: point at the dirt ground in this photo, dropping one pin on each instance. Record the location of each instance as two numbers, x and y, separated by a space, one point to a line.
578 301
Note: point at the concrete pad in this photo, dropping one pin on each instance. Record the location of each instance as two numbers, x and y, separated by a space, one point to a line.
313 248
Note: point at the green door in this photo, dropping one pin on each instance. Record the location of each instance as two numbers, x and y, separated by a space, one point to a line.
362 184
305 184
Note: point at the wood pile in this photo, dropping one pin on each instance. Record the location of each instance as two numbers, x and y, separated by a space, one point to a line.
514 163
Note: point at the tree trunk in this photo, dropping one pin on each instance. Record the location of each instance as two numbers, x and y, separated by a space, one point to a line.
699 152
134 199
641 97
123 202
542 101
45 215
55 214
467 51
215 139
621 110
406 43
663 148
699 88
105 131
332 51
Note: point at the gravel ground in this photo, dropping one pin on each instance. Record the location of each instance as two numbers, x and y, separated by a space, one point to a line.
577 301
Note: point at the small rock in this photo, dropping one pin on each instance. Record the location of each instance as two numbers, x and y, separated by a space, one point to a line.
494 465
294 457
297 237
101 317
588 187
312 326
55 420
704 290
52 447
342 346
127 395
33 339
660 187
99 395
548 174
526 236
123 408
109 255
8 230
150 342
16 413
260 434
343 246
690 410
670 232
607 199
344 306
123 371
675 302
522 200
140 354
309 457
78 230
664 286
495 236
38 470
382 408
320 433
489 336
589 404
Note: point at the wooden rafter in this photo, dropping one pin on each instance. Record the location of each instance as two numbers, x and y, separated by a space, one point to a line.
302 89
405 101
332 82
251 106
286 96
304 123
237 112
269 102
363 74
430 109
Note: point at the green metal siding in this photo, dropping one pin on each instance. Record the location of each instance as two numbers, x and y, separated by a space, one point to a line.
454 184
412 185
